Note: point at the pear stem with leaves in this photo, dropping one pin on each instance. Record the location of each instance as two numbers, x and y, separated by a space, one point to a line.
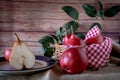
18 40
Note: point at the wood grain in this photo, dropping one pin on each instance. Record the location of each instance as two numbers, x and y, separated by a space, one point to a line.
66 1
45 6
45 15
33 19
35 36
53 25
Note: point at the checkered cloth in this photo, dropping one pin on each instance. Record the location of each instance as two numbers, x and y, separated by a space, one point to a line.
98 53
95 31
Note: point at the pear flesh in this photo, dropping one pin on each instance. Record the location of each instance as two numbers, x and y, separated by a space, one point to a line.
21 56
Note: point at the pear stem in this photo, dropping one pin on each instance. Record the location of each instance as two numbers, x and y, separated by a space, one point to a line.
72 29
18 40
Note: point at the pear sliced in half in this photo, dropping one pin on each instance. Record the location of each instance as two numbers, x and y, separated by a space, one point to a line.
21 56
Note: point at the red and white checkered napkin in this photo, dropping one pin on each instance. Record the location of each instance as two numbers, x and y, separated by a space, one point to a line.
98 53
95 31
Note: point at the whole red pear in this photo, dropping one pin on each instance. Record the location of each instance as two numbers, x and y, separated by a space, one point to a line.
74 60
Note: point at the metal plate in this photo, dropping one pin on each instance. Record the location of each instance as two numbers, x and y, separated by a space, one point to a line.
42 63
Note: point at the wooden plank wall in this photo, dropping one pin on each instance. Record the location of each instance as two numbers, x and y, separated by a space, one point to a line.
32 19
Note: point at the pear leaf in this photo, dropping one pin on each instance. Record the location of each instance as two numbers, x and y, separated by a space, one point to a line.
89 10
100 12
80 35
94 24
72 12
46 41
59 34
100 5
112 11
55 38
68 25
49 51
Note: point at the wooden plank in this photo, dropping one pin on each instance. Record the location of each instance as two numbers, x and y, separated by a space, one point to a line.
11 43
37 44
35 36
65 1
43 7
52 25
28 15
24 36
114 37
35 50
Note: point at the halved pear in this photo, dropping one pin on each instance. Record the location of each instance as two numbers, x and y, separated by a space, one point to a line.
21 56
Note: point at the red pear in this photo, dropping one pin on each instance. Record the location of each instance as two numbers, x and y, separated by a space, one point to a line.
95 40
74 60
74 40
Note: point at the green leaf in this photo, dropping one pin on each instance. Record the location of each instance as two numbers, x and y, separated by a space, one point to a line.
55 37
49 51
100 5
112 11
94 24
68 25
89 10
59 34
80 35
72 12
100 12
46 39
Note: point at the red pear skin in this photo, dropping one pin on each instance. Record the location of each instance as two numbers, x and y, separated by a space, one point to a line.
74 60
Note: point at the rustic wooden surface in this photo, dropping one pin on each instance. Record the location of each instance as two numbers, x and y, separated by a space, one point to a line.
32 19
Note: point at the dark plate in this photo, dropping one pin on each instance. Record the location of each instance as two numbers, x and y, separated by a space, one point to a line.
42 63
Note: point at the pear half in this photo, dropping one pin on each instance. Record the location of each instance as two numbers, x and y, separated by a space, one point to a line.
21 56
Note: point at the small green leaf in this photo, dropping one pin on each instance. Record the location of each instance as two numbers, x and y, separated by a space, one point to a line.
72 12
89 10
100 5
49 51
68 25
59 34
55 37
80 35
46 39
94 24
112 11
100 12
